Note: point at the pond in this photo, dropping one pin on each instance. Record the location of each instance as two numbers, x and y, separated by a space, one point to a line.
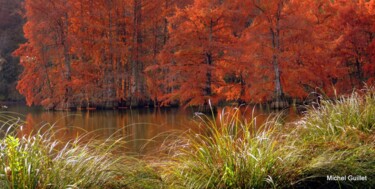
137 126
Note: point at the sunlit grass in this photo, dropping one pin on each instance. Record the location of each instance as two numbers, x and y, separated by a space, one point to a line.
229 153
40 160
334 117
337 138
226 151
334 138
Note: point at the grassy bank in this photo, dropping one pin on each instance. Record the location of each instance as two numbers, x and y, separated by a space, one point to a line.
229 151
338 138
41 161
335 138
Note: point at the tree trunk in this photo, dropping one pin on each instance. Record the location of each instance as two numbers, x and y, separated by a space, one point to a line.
165 29
359 72
45 69
209 61
67 64
138 88
110 64
208 90
279 101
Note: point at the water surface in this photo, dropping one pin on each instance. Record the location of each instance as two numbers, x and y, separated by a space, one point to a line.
138 126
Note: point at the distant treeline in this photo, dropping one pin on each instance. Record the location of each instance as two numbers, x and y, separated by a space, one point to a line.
115 53
11 36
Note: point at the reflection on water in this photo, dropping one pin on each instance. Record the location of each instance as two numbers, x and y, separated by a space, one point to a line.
136 125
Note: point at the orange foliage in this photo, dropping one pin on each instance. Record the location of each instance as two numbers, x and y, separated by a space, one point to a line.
196 52
354 25
112 53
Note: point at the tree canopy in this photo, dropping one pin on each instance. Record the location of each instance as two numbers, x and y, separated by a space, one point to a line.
114 53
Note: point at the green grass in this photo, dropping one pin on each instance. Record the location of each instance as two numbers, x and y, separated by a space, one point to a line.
336 117
41 161
226 151
338 138
335 138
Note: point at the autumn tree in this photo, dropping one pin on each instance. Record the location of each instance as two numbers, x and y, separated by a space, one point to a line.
156 37
92 53
199 37
46 54
354 34
115 53
283 43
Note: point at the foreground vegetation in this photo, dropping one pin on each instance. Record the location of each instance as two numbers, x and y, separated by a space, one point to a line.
334 138
42 161
231 151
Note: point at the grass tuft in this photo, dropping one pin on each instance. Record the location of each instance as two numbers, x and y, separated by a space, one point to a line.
227 153
333 118
337 138
40 161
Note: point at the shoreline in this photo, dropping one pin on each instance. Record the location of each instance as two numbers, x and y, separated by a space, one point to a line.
9 102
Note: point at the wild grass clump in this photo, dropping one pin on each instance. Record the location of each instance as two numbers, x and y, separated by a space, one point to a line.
334 117
41 161
337 138
228 153
343 124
